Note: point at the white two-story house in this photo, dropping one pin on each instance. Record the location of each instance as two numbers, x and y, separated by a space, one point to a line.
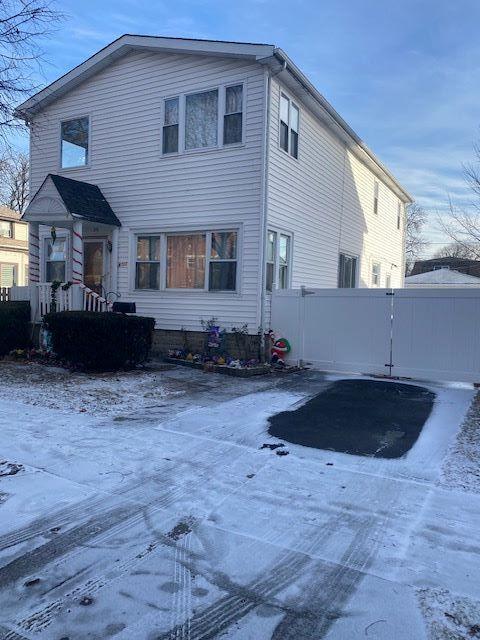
193 177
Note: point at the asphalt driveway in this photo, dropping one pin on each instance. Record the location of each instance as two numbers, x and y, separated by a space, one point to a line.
173 520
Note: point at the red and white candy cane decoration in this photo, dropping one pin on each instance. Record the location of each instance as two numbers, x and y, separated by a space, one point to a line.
33 252
77 253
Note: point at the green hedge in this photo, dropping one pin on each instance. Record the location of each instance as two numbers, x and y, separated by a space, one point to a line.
100 341
14 326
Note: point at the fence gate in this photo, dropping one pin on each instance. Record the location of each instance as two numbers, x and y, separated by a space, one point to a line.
433 334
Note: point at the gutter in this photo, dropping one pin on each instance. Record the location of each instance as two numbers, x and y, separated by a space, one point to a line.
289 66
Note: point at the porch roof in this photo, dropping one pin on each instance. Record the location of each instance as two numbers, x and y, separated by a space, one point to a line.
77 199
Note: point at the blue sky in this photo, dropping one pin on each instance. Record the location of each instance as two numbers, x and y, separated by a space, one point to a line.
404 74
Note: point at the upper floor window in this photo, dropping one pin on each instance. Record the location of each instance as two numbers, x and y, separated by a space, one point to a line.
233 118
6 229
347 271
376 188
74 134
170 126
203 120
289 126
399 215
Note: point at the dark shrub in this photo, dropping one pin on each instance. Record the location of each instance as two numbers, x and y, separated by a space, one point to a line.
14 326
100 341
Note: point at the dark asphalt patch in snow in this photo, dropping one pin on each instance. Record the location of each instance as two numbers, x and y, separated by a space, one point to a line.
359 417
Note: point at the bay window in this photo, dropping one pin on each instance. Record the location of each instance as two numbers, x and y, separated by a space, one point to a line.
193 261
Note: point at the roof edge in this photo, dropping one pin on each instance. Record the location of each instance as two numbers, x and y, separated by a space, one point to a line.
301 78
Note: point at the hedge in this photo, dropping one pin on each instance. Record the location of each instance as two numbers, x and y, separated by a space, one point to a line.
14 326
100 341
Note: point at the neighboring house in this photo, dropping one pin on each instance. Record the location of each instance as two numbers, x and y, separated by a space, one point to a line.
469 267
220 174
13 249
442 277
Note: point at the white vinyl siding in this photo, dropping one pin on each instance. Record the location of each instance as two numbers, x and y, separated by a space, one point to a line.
326 200
214 188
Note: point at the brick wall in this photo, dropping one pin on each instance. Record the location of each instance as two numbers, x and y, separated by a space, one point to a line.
245 347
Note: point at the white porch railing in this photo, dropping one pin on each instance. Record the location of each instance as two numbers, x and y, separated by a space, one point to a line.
4 294
77 297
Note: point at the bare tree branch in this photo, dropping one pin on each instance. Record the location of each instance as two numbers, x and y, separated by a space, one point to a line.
414 241
23 24
14 171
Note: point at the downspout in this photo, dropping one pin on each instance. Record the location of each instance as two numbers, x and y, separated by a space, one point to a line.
263 226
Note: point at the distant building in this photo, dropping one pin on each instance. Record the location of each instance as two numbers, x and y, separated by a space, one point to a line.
13 249
470 267
442 277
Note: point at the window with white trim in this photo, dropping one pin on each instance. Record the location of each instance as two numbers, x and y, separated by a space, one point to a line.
399 215
376 274
8 274
192 261
376 188
289 125
203 120
171 118
55 259
6 229
147 266
347 271
74 142
278 260
233 118
388 281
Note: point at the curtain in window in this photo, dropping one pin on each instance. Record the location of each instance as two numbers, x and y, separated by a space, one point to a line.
186 262
201 120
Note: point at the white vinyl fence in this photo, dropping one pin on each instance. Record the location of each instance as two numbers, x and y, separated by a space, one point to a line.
418 333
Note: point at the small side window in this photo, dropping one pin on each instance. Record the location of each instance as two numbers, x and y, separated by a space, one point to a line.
375 197
271 256
170 126
347 271
399 216
375 274
289 126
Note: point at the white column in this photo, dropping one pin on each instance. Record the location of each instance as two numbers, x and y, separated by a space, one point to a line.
77 252
33 252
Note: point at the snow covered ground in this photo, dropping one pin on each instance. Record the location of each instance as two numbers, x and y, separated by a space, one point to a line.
141 507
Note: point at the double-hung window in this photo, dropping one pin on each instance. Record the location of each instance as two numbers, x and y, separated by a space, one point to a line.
375 274
347 271
74 142
289 125
278 261
6 229
55 259
147 268
194 261
8 275
233 118
376 188
223 261
170 126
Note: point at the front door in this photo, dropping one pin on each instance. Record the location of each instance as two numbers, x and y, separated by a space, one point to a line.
94 264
